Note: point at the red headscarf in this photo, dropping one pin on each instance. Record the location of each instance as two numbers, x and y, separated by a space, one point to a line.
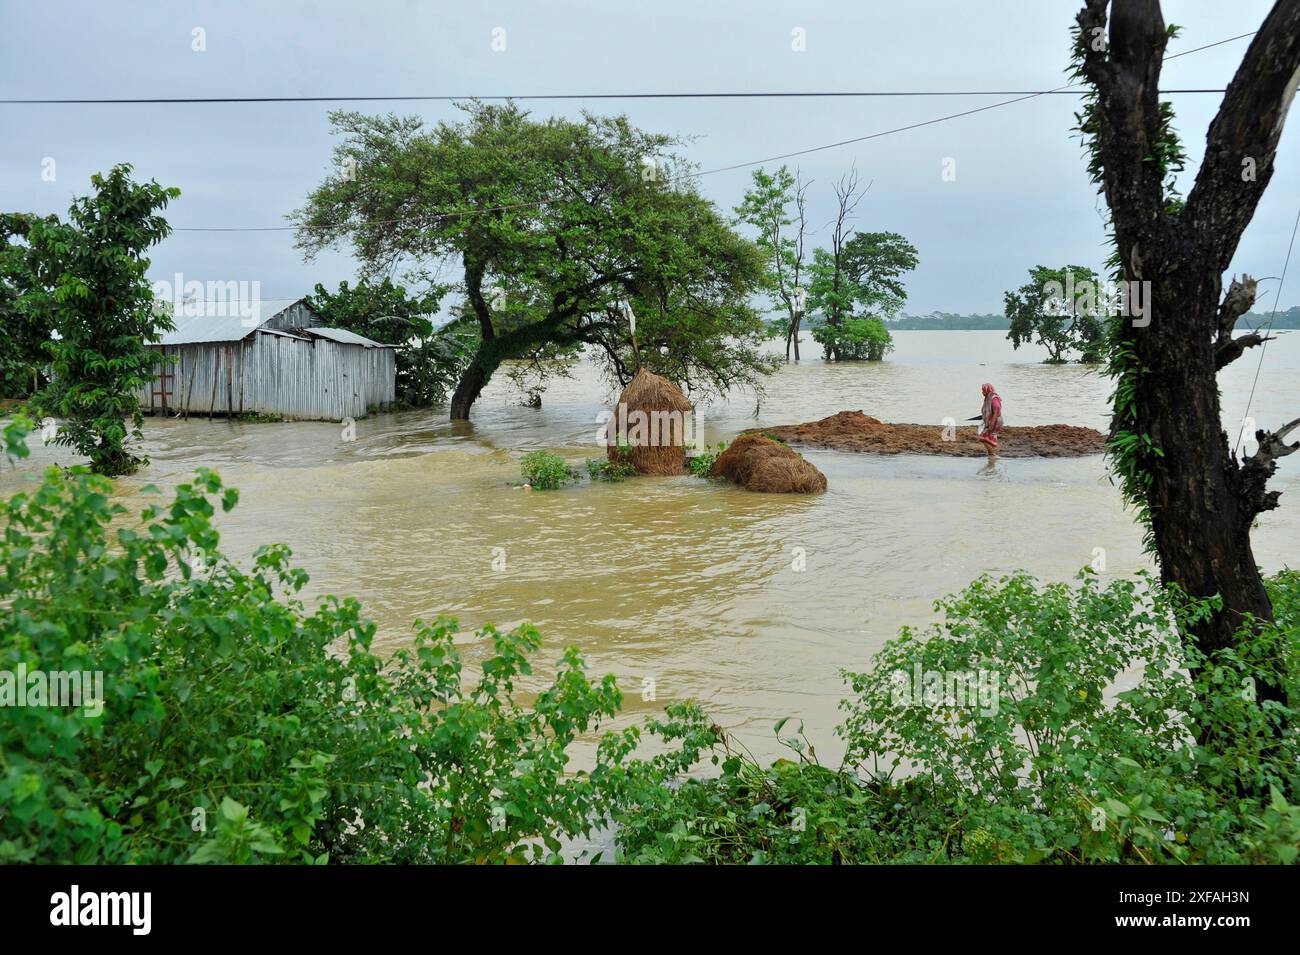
992 410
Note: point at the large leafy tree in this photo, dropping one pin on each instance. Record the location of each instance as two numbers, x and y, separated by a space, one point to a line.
24 344
775 206
87 283
875 263
429 360
554 229
1198 498
1064 310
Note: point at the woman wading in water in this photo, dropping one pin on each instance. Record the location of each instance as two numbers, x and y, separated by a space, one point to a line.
990 422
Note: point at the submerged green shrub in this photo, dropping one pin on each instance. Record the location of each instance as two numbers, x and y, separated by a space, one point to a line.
855 339
701 463
546 471
612 471
235 725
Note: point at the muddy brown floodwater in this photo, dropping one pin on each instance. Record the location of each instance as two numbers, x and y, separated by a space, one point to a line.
751 603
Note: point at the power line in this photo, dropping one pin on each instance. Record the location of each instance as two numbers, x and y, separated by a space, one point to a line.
1198 49
1267 327
444 98
810 94
1068 87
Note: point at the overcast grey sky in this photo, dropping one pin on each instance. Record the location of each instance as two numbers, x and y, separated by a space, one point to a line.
1021 195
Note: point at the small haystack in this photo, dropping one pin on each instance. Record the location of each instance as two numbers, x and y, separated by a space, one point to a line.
757 463
653 417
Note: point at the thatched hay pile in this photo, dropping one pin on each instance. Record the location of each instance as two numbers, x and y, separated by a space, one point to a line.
757 463
653 416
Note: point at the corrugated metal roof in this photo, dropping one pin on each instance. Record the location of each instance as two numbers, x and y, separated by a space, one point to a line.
196 329
277 332
344 337
203 329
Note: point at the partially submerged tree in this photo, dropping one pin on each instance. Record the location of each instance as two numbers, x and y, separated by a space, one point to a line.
88 284
1064 310
1176 464
781 235
831 292
556 227
857 282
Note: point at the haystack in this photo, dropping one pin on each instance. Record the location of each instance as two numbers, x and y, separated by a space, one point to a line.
757 463
652 417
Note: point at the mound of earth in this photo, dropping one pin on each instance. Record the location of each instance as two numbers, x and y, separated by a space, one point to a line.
855 431
757 463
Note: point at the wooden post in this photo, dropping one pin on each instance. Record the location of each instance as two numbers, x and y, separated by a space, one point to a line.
189 396
216 372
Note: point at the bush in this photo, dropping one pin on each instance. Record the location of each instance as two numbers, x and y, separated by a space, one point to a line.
546 471
236 726
612 471
701 463
855 339
1032 762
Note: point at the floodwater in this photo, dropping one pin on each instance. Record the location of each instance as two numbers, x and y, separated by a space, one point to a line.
684 584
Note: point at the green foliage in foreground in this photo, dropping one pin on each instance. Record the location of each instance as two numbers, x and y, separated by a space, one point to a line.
236 726
239 726
546 471
1048 769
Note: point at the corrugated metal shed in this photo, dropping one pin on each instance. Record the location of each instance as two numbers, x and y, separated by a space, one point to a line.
287 366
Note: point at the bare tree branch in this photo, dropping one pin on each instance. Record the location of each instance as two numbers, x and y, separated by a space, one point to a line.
1233 349
1260 466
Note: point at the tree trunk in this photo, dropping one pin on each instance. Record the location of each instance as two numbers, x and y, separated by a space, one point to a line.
1199 517
472 382
1202 501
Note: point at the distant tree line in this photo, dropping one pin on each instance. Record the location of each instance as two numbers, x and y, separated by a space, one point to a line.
949 321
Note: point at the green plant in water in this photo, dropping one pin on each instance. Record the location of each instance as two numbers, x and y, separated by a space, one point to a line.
612 471
546 471
855 339
701 463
